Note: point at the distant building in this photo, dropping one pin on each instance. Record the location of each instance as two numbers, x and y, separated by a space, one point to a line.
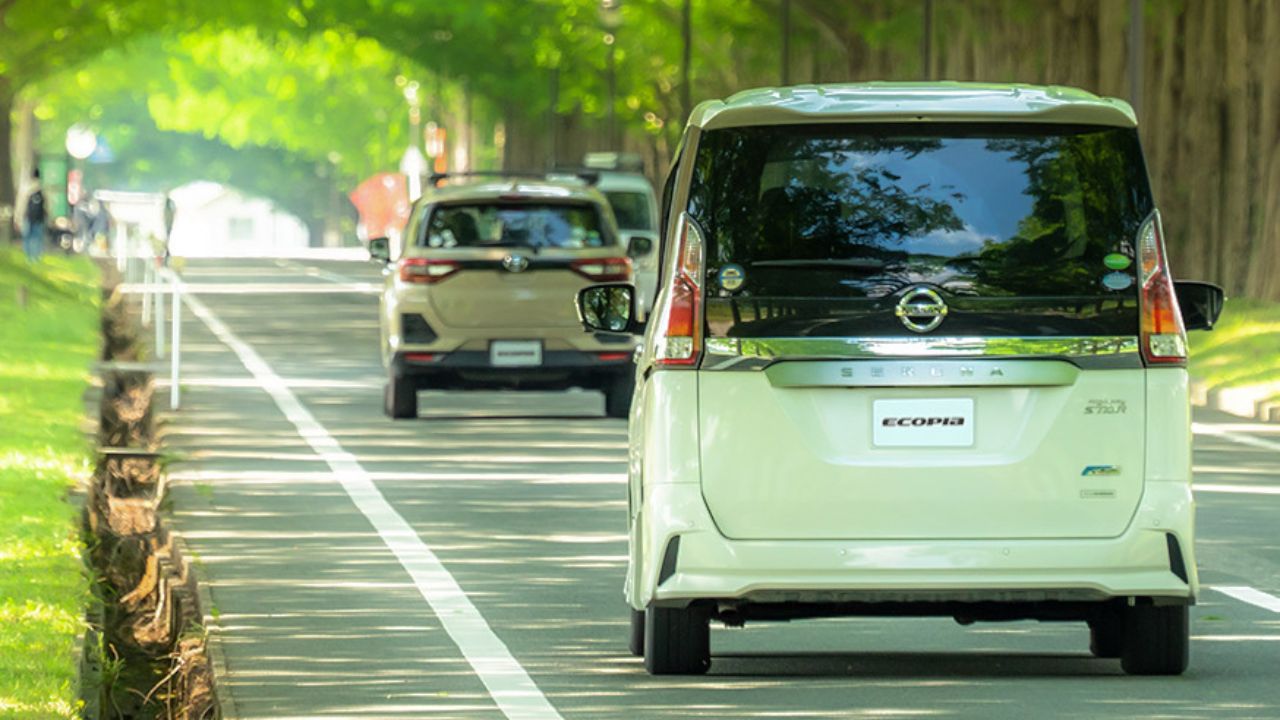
213 220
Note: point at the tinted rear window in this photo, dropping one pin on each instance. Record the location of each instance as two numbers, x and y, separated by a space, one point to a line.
631 209
1023 229
483 225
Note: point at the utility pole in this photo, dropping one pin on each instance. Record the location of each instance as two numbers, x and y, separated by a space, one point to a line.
552 135
686 31
1135 55
927 42
611 20
786 42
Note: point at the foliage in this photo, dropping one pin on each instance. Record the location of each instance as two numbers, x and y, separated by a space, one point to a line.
1242 348
45 351
234 108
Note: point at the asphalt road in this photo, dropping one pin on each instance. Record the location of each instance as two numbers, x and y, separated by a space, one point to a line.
520 500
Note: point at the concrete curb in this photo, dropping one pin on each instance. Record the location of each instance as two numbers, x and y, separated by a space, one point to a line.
213 632
1257 402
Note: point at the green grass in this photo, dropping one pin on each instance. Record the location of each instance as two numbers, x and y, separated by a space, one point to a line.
45 353
1243 349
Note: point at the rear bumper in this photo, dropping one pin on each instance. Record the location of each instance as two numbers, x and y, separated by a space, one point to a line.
559 369
708 566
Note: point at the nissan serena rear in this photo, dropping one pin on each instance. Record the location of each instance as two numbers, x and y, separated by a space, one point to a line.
917 351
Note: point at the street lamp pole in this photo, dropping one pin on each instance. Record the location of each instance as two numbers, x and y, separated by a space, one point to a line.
927 41
1135 55
786 42
686 59
611 19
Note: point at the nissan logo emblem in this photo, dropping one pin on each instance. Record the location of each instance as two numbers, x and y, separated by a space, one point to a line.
921 309
515 263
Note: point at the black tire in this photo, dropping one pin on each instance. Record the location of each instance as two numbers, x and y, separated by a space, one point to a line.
617 395
635 643
1106 635
677 641
401 397
1157 640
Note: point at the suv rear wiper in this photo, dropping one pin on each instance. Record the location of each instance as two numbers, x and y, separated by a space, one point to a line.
869 264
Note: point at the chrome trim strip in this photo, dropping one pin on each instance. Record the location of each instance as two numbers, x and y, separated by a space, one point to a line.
952 372
1109 351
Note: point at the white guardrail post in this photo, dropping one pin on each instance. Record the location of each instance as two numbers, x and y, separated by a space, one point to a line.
157 307
149 280
176 335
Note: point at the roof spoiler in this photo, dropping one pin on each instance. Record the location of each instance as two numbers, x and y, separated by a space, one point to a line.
589 177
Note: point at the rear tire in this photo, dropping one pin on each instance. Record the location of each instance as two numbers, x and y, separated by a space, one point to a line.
677 641
1106 635
401 397
1156 640
617 396
635 643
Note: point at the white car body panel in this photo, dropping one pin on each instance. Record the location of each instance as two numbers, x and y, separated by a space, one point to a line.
800 463
667 500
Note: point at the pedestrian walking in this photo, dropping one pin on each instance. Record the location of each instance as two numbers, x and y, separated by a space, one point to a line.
170 214
36 215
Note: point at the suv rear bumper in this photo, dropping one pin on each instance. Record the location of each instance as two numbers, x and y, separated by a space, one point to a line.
707 566
559 369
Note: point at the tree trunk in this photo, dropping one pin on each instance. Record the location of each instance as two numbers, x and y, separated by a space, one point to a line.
8 194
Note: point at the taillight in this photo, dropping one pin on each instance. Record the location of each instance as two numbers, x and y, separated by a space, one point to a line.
678 340
426 271
1163 337
603 269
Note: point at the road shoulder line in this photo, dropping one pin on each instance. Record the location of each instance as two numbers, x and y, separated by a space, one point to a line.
510 686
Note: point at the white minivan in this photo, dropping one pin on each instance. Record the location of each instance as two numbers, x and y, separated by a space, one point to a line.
917 351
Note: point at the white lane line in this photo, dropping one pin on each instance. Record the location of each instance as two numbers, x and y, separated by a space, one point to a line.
1235 437
328 288
510 686
1236 489
313 271
1250 595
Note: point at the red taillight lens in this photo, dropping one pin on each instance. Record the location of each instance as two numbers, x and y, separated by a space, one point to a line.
603 269
425 271
678 341
1163 337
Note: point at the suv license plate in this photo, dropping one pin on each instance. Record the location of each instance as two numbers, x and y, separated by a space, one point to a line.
515 353
923 423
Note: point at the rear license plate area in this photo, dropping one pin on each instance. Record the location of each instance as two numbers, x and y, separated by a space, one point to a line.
515 353
923 423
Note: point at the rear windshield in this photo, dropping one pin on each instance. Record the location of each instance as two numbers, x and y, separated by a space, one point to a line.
821 230
483 225
631 209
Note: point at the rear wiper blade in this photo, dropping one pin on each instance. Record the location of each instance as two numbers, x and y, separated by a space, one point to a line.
845 264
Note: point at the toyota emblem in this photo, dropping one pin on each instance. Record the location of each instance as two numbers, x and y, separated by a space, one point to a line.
921 309
515 263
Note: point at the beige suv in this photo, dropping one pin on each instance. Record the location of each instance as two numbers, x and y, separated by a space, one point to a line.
481 293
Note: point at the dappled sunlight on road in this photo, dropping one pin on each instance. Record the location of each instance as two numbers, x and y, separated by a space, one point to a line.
522 498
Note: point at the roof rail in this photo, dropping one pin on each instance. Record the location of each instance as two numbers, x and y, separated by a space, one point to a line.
586 176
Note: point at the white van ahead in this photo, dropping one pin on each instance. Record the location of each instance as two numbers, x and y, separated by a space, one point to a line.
917 350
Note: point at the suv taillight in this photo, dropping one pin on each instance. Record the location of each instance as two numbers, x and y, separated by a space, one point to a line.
1163 337
678 340
603 269
425 271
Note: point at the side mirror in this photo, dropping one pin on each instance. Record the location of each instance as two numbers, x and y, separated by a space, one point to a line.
380 250
608 308
1201 303
639 245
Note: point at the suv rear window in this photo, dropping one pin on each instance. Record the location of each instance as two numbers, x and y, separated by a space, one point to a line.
631 209
1023 229
482 225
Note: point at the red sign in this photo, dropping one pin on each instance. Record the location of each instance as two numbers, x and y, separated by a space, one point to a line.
75 187
383 204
